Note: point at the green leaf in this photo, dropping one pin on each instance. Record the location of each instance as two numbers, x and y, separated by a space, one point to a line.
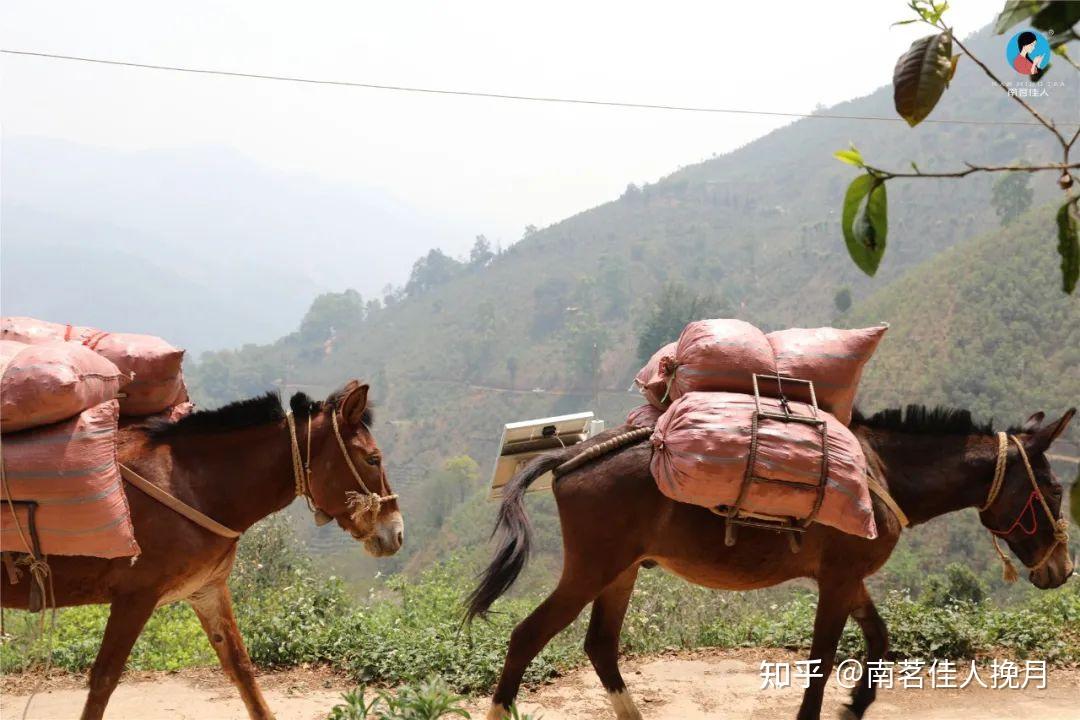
1015 11
1068 246
921 75
904 22
865 222
1056 18
851 157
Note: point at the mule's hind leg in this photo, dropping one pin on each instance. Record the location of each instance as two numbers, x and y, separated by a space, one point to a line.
602 641
127 616
836 599
534 632
213 605
877 644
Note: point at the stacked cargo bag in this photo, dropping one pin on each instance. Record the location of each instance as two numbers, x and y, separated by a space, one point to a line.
753 425
153 364
831 359
60 491
643 416
42 384
723 355
67 476
649 379
702 455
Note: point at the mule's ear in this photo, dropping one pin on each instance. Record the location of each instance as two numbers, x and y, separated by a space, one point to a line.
354 404
1046 435
1033 423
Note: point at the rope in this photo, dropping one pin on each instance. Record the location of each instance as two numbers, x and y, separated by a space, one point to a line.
39 574
603 448
1060 525
357 502
999 472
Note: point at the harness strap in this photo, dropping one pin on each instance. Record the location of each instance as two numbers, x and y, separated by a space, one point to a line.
364 502
883 494
1060 525
176 505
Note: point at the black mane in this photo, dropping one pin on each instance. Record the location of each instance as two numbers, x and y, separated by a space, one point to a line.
260 410
922 420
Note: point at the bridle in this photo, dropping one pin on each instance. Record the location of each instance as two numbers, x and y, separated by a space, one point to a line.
359 503
1060 525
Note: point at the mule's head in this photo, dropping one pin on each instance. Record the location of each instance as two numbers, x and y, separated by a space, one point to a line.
1017 515
348 481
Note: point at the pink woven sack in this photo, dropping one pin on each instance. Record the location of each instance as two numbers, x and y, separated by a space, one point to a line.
69 469
643 416
158 382
720 354
702 448
42 384
833 359
649 380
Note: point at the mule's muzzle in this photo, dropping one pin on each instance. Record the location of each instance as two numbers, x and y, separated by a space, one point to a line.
388 536
1055 572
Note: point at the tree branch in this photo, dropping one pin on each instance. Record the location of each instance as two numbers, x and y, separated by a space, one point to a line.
990 73
888 174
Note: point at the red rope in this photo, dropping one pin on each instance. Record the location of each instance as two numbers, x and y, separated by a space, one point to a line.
1028 507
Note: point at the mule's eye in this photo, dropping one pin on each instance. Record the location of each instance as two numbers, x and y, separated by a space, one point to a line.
374 460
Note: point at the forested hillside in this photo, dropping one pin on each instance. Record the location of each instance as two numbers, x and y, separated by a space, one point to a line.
552 323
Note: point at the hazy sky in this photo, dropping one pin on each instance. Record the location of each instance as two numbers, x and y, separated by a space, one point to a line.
496 164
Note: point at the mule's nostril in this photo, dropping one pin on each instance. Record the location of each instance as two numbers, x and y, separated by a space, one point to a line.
400 537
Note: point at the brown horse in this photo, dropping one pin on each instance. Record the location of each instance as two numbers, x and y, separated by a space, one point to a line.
235 465
614 520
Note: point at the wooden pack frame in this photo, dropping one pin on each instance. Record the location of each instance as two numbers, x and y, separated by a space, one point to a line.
735 514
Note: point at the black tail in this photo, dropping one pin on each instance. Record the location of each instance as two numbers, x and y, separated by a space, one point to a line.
514 532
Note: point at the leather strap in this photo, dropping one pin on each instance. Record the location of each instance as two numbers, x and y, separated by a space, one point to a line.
879 490
176 505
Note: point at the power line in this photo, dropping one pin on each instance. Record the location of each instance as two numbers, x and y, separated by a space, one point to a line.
503 96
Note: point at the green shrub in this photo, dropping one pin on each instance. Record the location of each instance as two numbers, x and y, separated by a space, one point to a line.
957 584
411 629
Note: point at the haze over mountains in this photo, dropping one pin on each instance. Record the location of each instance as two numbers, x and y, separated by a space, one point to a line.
551 324
201 244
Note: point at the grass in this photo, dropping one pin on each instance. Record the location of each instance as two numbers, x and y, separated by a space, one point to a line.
411 631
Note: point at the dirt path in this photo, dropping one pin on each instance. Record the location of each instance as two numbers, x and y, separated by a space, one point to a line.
686 686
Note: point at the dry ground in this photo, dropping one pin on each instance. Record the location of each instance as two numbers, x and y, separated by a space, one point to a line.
682 686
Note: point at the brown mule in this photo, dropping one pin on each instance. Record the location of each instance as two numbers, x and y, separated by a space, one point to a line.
614 520
236 466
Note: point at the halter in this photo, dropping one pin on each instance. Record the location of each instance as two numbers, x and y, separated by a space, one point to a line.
1060 525
360 503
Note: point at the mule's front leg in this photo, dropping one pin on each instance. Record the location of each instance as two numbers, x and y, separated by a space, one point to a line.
836 600
127 616
529 638
602 642
213 605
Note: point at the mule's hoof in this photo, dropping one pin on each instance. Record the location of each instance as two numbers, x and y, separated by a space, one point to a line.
846 713
623 705
497 712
